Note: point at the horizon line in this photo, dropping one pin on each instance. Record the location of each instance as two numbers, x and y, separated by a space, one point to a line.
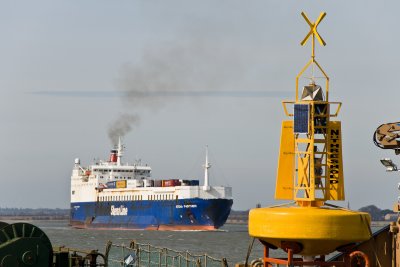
143 94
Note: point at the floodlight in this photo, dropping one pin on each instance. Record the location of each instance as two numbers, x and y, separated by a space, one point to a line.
130 259
388 163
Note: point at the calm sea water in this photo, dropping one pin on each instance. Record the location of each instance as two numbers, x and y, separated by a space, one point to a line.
231 242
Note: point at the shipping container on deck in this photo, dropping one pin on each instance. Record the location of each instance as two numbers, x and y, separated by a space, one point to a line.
111 184
172 182
134 183
120 184
184 182
157 183
148 183
194 182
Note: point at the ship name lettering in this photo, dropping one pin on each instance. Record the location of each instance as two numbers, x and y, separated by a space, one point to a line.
334 157
186 206
119 211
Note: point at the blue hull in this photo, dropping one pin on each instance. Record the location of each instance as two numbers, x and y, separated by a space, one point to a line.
185 214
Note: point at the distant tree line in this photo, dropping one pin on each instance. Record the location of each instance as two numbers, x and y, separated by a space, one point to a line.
376 213
33 212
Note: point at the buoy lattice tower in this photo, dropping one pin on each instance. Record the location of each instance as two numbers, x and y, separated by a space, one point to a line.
310 173
311 148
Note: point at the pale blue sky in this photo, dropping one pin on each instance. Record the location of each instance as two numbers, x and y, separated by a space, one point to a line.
94 46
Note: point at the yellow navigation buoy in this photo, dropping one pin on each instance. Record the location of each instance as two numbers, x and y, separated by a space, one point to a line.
318 231
310 172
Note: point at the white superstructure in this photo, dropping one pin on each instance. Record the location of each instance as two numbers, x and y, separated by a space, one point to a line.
114 181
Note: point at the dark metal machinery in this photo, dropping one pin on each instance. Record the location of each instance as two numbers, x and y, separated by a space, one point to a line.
25 245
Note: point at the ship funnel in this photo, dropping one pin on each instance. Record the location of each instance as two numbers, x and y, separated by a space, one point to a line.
116 153
113 155
119 151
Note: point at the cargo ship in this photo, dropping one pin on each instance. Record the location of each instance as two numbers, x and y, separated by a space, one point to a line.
115 195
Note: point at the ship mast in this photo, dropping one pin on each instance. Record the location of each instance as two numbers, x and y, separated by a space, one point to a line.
206 166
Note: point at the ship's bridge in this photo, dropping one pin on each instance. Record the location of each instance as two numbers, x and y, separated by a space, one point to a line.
127 172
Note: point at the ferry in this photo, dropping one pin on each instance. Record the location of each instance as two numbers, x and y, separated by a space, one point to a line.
115 195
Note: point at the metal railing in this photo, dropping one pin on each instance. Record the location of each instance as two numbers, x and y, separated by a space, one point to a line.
146 255
63 256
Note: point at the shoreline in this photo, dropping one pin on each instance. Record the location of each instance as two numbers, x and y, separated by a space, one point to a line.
16 218
34 218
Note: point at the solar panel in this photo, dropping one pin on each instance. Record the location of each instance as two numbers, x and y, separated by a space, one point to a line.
301 118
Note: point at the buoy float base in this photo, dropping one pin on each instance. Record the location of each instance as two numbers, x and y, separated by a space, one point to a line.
310 230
